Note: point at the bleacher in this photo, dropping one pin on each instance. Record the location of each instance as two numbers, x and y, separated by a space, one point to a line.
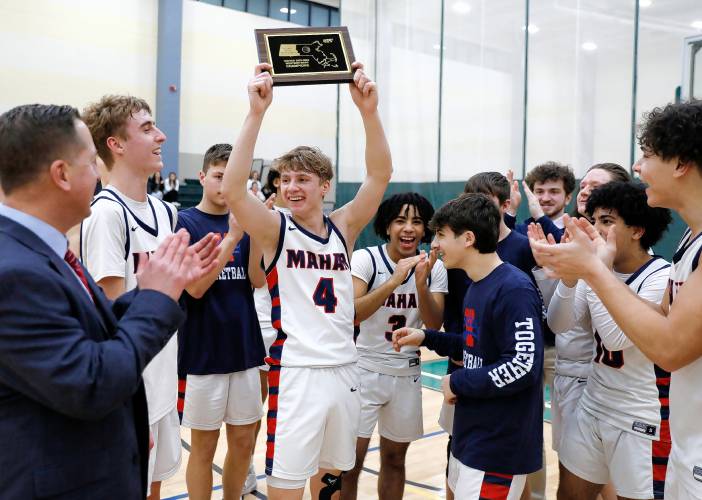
190 193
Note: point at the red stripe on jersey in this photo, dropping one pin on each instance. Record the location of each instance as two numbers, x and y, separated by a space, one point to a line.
661 449
665 432
275 302
659 472
270 446
663 381
274 378
496 487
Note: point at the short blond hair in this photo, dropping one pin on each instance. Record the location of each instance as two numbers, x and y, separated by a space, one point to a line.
108 118
306 159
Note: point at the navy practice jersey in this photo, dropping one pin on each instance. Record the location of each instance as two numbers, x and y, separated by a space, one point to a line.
514 249
498 425
221 332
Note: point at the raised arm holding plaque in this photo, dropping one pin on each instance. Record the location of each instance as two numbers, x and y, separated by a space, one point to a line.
305 56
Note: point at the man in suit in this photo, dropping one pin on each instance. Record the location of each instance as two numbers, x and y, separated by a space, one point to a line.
73 415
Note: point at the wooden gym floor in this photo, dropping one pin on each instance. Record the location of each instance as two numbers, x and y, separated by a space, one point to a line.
426 458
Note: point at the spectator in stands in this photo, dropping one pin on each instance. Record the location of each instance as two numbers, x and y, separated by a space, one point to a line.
254 176
155 185
170 188
256 191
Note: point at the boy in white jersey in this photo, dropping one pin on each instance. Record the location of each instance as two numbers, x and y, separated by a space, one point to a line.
126 225
670 335
314 401
394 286
619 432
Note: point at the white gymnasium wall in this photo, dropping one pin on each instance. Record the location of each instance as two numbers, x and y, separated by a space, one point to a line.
579 101
219 55
75 51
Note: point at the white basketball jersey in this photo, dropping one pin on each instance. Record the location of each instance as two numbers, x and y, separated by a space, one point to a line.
685 389
575 347
311 292
625 388
118 233
401 308
262 298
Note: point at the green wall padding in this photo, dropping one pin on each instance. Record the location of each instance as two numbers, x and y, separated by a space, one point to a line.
439 193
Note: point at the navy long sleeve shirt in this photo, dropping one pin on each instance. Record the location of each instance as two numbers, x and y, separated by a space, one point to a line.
499 411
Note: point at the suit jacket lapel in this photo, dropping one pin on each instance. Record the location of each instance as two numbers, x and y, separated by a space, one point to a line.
36 244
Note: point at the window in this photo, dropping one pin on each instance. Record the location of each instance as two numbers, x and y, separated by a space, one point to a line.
302 12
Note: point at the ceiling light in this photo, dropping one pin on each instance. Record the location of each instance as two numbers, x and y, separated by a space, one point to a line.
697 25
589 46
532 29
461 7
284 10
645 3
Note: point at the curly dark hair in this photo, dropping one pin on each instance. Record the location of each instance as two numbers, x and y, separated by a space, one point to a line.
489 183
674 131
552 171
217 153
629 200
390 208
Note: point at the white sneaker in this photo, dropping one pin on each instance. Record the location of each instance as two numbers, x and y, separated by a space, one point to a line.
251 481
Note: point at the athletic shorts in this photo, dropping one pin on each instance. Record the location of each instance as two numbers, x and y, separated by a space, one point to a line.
164 457
269 335
564 400
472 484
394 402
675 486
232 398
601 453
313 416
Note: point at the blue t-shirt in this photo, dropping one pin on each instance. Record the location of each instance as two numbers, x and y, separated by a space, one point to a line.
498 425
547 225
221 332
514 249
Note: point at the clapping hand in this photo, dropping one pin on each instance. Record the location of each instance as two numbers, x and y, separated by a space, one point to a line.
584 250
175 265
515 197
423 268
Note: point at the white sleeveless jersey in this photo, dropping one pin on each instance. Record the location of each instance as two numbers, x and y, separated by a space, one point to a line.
262 298
401 308
117 234
311 292
575 347
625 388
685 390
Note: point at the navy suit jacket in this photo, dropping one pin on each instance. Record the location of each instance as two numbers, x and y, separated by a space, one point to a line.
73 414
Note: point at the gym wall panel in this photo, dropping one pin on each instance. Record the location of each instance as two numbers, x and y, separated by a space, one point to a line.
218 58
75 51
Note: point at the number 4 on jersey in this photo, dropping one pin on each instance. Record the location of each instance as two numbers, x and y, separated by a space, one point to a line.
324 295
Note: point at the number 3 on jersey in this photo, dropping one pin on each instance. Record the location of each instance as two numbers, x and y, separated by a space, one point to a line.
324 295
396 321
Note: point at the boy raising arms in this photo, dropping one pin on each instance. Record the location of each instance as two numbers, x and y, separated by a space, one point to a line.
498 429
220 345
314 400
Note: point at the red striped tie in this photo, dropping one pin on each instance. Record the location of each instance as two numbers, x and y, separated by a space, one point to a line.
70 257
